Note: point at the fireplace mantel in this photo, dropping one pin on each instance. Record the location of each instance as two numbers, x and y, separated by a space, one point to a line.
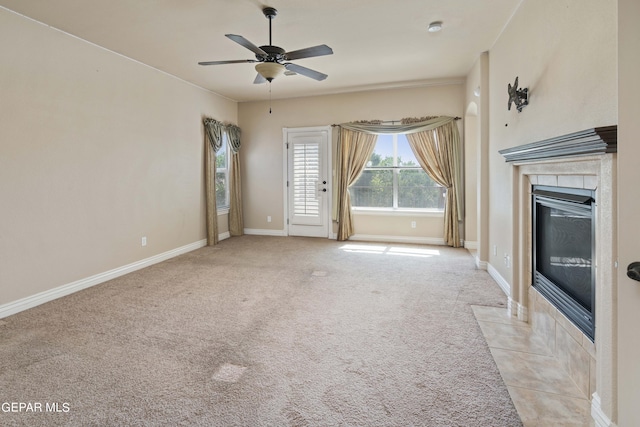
600 140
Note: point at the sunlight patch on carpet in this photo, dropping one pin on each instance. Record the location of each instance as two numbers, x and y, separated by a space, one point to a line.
391 250
229 373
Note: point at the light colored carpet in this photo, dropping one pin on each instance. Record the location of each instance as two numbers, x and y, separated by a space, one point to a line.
265 331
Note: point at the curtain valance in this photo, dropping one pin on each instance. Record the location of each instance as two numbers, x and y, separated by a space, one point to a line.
213 129
233 132
406 126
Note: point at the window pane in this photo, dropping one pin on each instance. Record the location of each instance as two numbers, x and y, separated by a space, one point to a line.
221 189
221 155
374 189
222 161
383 152
417 190
405 154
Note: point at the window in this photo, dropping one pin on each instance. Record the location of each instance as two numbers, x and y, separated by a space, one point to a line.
222 175
394 179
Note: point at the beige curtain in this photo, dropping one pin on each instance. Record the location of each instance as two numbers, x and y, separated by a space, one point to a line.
438 152
354 150
236 223
213 131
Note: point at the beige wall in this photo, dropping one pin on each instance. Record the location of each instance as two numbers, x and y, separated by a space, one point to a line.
565 53
262 177
472 128
96 151
477 158
629 206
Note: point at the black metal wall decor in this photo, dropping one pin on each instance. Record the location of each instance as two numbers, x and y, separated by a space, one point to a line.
519 97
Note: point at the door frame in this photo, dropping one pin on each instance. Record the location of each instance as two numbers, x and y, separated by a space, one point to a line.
329 173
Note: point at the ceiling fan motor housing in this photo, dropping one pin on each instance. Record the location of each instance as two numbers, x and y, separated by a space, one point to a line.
274 54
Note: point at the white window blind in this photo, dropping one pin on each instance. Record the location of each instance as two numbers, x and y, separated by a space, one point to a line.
306 174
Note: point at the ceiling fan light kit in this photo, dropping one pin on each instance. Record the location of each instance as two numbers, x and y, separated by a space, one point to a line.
273 60
270 70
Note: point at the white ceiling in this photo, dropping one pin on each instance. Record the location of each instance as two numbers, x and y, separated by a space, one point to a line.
376 43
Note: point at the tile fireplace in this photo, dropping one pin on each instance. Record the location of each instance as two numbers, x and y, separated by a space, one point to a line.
581 167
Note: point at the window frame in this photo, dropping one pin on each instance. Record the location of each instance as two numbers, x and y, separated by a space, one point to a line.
395 209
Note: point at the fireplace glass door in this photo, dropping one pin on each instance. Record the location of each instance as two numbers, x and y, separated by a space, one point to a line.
564 248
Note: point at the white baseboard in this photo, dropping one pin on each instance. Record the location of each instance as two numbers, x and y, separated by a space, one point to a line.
398 239
264 232
224 236
481 265
522 313
517 310
510 308
472 246
598 415
55 293
504 285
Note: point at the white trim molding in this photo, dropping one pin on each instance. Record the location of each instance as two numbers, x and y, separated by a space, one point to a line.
470 245
598 415
70 288
504 285
522 313
264 232
517 310
482 265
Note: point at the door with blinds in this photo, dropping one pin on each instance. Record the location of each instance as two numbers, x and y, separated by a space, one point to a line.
308 181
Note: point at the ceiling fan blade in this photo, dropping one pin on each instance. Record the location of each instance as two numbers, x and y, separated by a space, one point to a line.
246 43
298 69
309 52
234 61
259 79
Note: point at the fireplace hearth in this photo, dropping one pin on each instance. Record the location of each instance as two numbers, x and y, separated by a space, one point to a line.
563 248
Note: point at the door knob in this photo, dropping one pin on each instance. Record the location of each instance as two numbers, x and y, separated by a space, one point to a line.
633 271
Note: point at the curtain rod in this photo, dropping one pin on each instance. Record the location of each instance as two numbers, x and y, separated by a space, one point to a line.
393 122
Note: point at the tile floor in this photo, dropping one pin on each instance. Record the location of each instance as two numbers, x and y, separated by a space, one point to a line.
540 388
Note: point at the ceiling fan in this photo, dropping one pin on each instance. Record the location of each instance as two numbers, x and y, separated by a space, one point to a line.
273 60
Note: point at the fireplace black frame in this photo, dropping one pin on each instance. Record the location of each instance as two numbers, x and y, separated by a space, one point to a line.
579 201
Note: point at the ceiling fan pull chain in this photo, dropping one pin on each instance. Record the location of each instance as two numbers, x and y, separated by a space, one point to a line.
269 97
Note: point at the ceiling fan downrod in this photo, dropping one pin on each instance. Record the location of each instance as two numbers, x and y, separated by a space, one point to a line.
270 13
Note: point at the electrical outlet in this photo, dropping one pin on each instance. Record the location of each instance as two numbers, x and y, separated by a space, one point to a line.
495 250
269 218
507 260
413 224
144 241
